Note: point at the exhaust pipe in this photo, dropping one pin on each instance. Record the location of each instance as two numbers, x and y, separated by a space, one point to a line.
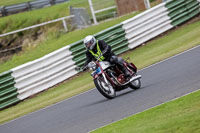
131 80
135 78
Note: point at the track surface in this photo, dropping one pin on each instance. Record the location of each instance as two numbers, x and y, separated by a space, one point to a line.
160 83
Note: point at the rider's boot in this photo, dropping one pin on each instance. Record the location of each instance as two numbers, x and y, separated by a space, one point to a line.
120 62
126 73
124 70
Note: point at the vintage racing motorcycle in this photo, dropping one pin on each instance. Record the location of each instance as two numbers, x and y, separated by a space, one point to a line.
108 78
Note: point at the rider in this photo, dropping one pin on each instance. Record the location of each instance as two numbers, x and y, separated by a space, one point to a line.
95 48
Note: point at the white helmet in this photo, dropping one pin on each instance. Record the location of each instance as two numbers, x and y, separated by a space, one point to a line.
89 42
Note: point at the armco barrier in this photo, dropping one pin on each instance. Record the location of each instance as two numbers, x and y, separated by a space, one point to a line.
41 24
11 9
33 77
8 93
114 36
182 10
43 73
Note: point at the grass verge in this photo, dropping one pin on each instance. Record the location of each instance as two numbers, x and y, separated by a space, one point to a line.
10 2
173 43
178 116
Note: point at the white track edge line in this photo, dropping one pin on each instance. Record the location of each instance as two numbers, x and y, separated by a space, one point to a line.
171 57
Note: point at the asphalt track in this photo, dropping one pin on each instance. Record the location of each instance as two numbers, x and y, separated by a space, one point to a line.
161 82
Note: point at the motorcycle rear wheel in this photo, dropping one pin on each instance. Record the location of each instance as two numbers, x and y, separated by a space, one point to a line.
105 89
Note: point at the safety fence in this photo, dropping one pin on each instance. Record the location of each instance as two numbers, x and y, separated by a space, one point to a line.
38 75
63 19
12 9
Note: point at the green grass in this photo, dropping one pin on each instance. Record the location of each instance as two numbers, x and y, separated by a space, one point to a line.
57 40
154 51
11 2
179 116
106 14
97 5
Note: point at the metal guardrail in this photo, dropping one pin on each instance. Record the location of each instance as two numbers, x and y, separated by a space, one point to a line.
105 9
12 9
35 26
38 25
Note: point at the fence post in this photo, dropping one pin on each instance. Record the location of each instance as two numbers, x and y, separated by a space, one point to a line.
147 4
28 5
52 2
65 24
92 11
3 10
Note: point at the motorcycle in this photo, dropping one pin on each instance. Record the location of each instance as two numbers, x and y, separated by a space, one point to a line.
109 79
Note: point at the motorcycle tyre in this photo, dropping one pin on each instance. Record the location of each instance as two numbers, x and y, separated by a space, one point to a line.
98 86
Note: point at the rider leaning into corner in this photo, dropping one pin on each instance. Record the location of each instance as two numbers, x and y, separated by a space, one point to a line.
95 48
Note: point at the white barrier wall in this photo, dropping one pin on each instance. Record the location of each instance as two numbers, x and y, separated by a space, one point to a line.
43 73
199 3
147 25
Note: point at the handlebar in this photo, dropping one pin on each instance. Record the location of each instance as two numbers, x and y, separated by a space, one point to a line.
81 69
98 58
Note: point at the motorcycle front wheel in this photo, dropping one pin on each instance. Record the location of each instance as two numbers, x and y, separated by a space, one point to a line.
105 89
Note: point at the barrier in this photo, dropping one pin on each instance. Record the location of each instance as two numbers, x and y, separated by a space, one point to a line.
182 10
147 25
42 24
12 9
8 93
43 73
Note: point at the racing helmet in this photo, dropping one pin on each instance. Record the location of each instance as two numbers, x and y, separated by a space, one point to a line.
89 42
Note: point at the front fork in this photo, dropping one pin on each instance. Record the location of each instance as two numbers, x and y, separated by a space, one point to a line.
104 76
